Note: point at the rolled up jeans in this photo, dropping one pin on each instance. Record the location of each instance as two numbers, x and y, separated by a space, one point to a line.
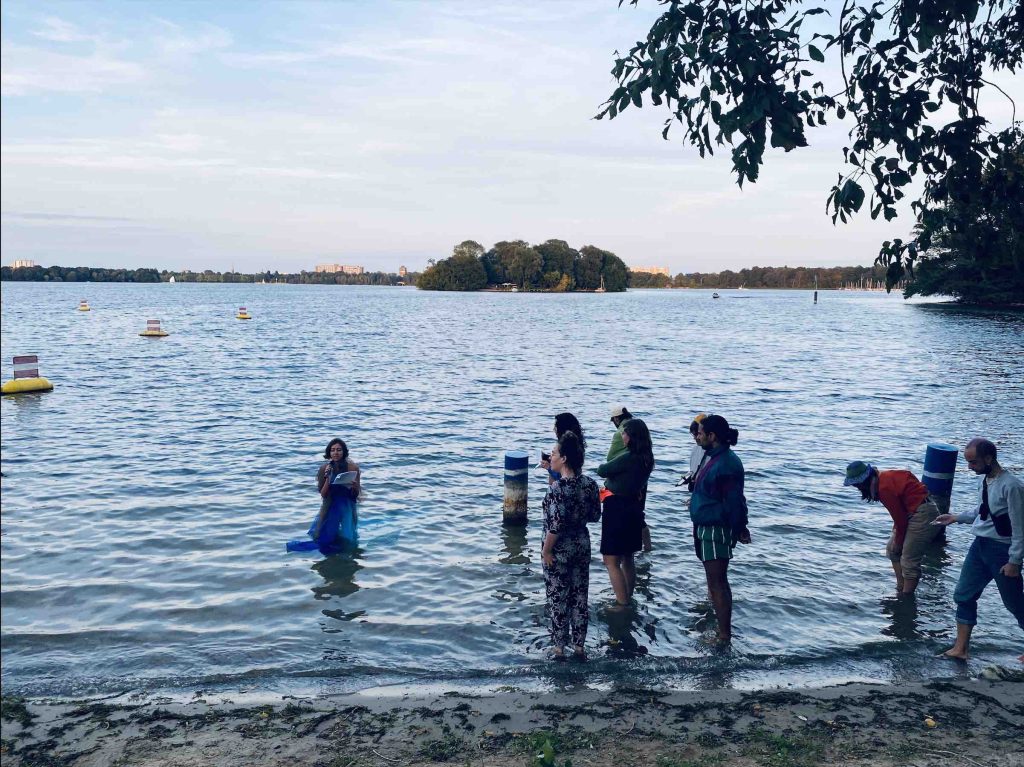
921 533
984 560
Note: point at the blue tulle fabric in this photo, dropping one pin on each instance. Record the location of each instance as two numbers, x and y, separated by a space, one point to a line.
338 532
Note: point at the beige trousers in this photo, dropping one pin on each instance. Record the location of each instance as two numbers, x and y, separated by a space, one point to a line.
921 533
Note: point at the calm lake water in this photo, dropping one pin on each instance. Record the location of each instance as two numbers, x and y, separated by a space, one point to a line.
147 500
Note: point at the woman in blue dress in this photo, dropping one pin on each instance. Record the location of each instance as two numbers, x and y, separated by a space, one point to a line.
336 525
334 529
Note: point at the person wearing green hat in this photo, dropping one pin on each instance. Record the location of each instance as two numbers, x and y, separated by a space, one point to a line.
912 510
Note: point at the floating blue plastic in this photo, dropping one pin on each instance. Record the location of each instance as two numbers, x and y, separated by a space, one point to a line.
337 533
940 468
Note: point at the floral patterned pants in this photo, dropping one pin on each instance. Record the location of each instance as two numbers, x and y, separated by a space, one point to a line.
568 584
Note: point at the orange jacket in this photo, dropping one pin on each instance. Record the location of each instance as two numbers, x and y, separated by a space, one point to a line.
901 493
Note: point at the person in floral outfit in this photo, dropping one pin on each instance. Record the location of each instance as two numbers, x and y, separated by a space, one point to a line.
571 503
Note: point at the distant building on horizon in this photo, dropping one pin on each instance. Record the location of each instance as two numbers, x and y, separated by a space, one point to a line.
650 270
403 272
335 268
23 263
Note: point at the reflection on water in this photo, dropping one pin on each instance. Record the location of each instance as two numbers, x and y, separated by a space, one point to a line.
902 611
218 430
514 547
339 573
626 628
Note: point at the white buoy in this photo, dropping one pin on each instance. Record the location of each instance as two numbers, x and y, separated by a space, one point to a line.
153 330
26 377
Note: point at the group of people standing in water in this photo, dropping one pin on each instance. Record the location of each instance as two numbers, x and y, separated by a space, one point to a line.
718 512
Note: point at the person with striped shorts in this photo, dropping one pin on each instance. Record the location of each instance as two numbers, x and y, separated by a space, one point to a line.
718 510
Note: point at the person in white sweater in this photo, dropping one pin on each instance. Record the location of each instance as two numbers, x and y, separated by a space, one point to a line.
998 546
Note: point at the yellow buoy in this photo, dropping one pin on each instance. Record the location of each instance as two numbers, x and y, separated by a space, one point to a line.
243 314
153 330
83 306
26 377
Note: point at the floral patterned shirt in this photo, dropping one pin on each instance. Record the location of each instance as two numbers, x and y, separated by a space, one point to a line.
569 505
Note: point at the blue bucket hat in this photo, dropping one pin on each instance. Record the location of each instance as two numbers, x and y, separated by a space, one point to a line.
857 472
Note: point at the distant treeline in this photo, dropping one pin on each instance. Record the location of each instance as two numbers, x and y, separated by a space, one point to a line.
552 266
560 269
768 277
94 274
77 274
302 278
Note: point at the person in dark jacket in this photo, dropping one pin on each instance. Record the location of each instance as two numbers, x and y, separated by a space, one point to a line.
625 478
718 510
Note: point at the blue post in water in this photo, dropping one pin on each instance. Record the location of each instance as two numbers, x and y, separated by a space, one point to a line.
517 468
939 470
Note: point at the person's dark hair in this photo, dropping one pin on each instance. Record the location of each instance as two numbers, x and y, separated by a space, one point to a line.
717 425
694 426
332 443
571 447
640 442
568 422
984 448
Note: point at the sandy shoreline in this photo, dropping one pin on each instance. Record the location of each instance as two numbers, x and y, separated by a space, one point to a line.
976 723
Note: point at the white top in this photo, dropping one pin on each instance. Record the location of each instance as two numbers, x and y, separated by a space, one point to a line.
696 456
1005 496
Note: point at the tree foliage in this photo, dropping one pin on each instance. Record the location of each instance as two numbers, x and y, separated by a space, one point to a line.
747 74
975 249
463 271
77 274
552 266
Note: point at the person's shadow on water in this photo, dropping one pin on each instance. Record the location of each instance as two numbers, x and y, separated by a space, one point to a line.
902 614
923 614
339 574
624 626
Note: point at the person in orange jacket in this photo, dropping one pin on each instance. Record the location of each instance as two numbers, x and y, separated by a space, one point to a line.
912 510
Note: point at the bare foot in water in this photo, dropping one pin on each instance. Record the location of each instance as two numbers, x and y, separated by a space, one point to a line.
954 653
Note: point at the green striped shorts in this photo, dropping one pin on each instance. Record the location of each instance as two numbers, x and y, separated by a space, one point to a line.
712 542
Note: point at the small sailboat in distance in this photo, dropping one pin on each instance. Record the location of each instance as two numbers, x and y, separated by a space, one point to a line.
601 287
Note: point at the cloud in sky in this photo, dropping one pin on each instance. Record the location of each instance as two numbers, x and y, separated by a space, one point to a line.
280 134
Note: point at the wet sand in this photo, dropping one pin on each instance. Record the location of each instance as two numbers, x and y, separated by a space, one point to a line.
976 723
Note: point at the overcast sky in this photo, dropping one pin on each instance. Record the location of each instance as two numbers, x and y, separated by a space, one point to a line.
280 135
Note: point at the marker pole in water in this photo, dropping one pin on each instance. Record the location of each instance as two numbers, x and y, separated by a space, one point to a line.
26 376
815 296
939 470
517 469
